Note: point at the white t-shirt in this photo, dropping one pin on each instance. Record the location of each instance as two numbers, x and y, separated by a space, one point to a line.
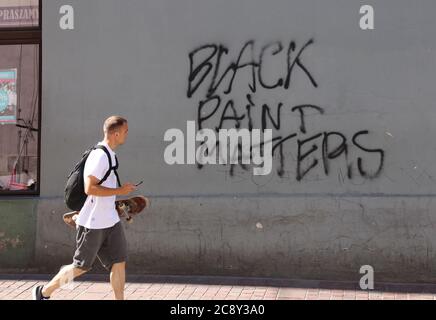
99 212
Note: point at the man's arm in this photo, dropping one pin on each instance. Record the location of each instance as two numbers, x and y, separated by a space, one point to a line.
92 188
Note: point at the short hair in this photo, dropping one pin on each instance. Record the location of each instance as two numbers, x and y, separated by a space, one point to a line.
113 123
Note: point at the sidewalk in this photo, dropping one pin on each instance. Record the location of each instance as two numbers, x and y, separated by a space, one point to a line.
97 287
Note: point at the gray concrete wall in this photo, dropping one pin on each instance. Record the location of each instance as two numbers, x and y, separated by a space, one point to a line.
132 58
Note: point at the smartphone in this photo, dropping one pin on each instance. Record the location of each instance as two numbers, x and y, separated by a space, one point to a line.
138 184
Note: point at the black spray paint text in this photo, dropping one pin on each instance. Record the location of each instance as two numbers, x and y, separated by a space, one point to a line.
216 108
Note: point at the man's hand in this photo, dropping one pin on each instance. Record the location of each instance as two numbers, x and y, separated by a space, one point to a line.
126 189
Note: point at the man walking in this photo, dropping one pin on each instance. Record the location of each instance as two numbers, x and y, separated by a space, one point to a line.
100 233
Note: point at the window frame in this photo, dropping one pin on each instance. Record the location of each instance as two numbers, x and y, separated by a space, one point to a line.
24 36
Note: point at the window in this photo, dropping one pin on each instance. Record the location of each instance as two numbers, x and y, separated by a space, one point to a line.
20 96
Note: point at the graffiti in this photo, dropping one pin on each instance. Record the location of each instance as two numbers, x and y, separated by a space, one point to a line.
213 61
213 78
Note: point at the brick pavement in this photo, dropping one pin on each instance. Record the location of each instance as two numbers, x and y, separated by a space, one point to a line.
97 287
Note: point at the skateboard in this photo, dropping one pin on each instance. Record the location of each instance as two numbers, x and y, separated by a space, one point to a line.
127 208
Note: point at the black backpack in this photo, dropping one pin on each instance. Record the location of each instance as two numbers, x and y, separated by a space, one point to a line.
75 196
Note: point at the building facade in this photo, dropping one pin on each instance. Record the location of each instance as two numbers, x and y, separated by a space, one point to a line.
351 110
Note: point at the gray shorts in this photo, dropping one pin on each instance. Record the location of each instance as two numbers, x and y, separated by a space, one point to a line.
108 245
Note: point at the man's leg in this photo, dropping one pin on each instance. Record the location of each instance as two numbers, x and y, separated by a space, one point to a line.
113 256
88 243
118 279
64 276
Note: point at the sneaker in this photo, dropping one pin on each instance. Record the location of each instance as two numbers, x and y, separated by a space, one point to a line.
37 293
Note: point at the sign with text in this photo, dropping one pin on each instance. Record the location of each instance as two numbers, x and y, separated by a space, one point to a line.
23 15
8 96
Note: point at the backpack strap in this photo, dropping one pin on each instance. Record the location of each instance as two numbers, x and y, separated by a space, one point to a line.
110 166
116 172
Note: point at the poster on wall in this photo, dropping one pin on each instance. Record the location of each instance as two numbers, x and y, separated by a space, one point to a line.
19 13
8 96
